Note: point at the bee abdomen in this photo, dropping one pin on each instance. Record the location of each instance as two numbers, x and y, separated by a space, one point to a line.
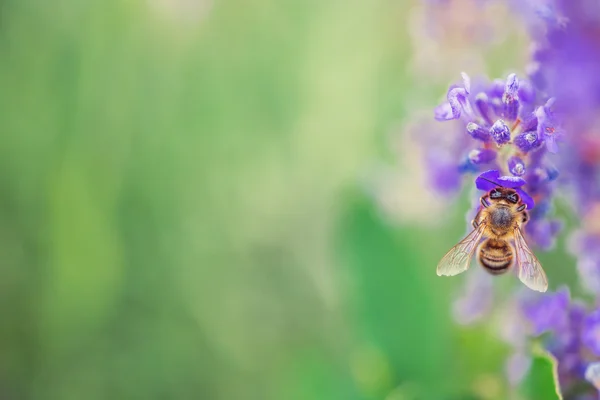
495 256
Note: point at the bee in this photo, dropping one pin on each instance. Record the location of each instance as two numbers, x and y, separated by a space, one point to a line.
499 222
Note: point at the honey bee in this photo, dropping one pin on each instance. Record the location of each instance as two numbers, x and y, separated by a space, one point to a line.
499 223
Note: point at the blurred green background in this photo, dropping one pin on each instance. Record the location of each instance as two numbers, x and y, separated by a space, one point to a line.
183 212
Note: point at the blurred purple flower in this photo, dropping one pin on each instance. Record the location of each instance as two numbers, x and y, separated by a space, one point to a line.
591 332
476 298
547 312
567 331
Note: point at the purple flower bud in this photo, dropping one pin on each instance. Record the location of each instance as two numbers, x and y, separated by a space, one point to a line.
553 173
527 141
511 108
511 87
478 132
482 156
443 112
526 92
590 334
466 81
510 98
456 98
500 132
516 166
496 88
482 106
529 123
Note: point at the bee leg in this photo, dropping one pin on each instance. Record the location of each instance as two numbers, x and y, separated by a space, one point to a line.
525 217
475 224
484 202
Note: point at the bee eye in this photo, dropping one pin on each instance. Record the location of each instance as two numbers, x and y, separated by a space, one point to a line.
495 194
513 198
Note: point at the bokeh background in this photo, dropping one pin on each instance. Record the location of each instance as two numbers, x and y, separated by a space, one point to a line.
218 200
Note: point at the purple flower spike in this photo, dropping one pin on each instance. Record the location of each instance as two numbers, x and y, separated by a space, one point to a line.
500 132
525 198
591 332
527 141
516 166
482 156
478 132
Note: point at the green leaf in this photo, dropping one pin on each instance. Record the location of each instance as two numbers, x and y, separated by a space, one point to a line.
542 380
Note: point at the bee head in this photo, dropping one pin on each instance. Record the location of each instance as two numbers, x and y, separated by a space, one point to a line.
502 195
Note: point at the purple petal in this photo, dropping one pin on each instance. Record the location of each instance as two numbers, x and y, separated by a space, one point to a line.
457 97
525 198
487 180
443 112
511 181
466 81
551 144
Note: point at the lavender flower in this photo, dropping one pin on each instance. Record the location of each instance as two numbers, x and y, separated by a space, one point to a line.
565 63
502 120
537 134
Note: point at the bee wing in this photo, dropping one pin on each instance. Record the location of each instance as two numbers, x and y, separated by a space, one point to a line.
458 259
530 269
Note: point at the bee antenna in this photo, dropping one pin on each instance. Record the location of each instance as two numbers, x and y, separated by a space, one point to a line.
491 181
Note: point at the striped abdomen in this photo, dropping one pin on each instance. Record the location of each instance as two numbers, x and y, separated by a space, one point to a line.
495 256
